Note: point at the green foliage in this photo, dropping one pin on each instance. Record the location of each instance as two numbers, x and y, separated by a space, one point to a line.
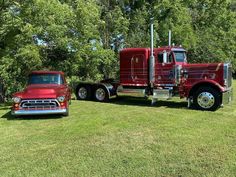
139 34
176 17
215 27
115 24
83 38
53 35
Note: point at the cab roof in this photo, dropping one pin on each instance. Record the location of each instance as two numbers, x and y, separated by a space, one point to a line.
167 48
171 48
47 72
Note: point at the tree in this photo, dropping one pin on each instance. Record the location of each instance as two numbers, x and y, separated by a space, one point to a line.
214 24
55 35
83 38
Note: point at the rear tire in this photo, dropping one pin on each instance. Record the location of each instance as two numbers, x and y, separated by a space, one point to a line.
83 92
206 98
101 94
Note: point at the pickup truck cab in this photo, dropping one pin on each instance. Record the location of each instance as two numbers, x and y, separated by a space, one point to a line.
46 93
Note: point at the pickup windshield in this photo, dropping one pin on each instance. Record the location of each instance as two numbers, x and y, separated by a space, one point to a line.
180 56
45 79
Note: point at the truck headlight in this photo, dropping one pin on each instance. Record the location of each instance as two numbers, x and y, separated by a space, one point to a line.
61 99
16 99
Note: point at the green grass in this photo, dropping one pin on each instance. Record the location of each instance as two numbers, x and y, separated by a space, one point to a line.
126 137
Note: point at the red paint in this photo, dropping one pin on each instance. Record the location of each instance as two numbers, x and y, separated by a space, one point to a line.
134 66
44 91
40 91
134 70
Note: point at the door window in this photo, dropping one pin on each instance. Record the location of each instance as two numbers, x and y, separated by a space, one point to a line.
160 58
169 58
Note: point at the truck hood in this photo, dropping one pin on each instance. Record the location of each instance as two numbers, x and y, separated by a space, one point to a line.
42 91
201 68
208 71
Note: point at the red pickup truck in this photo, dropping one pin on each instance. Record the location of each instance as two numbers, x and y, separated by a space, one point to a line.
46 93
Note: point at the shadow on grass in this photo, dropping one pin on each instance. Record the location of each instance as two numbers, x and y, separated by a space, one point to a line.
5 106
8 116
126 100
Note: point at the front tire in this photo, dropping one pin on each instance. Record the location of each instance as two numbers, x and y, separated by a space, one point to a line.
206 98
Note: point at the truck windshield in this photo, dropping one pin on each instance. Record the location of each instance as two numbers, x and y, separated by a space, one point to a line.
45 79
180 56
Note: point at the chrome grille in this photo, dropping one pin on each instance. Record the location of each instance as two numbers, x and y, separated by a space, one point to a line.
39 104
228 75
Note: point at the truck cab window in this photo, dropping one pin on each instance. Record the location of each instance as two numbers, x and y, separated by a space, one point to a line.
45 79
160 58
169 58
61 80
180 56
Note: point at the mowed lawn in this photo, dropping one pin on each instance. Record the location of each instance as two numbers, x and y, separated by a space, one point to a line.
126 137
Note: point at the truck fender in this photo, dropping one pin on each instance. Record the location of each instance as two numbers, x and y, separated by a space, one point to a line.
110 89
209 83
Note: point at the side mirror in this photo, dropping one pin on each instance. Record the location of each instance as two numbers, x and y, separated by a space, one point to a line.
164 57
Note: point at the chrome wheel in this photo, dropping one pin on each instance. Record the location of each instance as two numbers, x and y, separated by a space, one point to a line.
206 100
100 94
82 93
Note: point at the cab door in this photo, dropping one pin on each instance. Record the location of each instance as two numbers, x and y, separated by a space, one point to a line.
164 72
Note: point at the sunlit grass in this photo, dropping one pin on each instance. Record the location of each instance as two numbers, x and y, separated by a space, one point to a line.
126 137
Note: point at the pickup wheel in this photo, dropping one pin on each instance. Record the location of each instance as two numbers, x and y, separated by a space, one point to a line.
67 113
101 94
83 92
206 98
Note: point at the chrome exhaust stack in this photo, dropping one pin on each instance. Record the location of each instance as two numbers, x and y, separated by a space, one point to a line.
152 58
169 38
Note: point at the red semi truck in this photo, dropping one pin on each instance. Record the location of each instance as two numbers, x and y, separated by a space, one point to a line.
161 73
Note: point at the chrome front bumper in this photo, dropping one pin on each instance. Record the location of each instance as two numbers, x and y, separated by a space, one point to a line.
227 96
38 112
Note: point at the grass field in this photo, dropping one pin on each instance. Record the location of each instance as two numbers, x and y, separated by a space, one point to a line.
126 137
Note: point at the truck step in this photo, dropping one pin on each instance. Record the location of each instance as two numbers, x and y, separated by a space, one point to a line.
165 93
